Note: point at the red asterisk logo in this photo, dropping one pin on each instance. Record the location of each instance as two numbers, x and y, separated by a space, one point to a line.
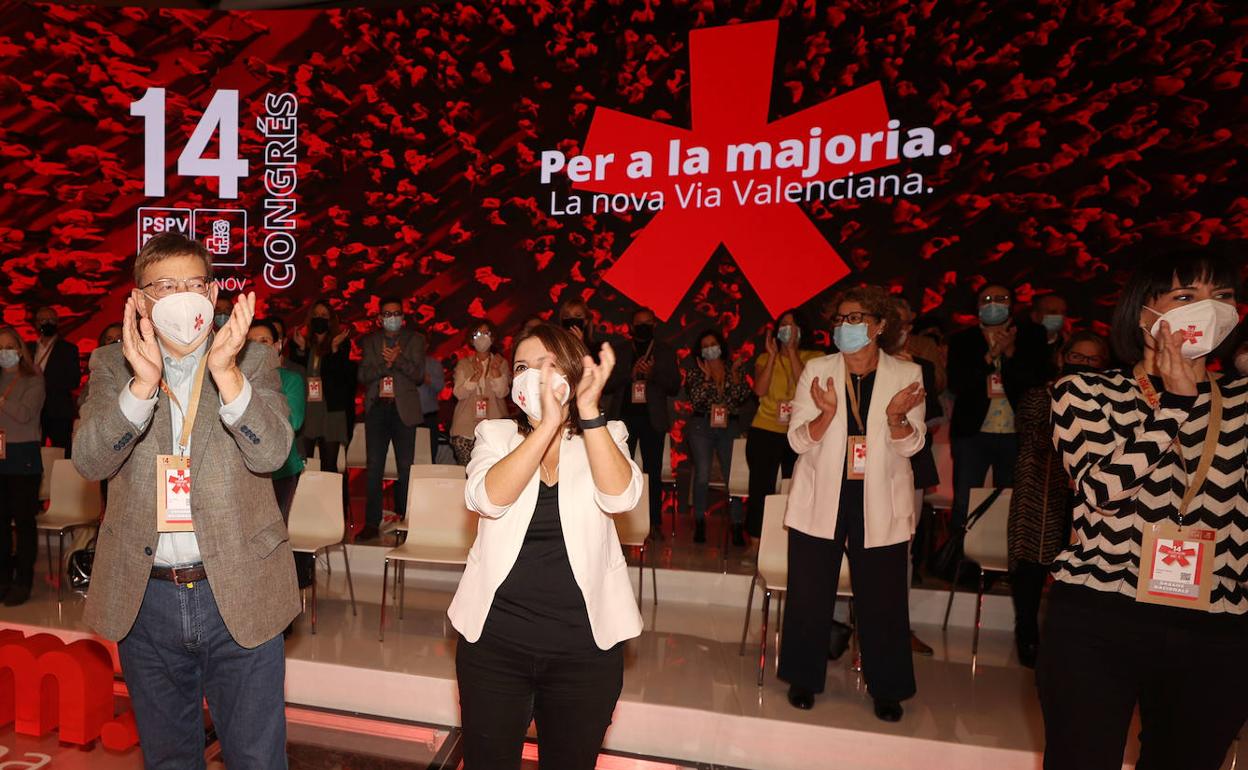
180 482
779 250
1191 334
199 322
1176 553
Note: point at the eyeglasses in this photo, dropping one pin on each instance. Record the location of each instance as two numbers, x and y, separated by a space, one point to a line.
163 287
984 300
855 317
481 333
1079 358
392 314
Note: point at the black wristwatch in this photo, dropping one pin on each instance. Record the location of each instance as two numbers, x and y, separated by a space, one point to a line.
598 422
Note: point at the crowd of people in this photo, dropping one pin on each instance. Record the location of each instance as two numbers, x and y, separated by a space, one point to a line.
1118 474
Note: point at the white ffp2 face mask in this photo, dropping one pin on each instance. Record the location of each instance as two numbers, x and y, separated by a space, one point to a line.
183 317
1204 325
526 391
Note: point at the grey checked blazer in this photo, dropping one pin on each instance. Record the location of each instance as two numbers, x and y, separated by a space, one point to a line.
237 522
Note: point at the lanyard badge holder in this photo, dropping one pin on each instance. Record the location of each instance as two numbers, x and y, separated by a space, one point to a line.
173 471
1176 560
856 450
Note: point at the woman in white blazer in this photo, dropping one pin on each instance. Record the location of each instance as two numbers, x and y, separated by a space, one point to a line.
857 419
545 603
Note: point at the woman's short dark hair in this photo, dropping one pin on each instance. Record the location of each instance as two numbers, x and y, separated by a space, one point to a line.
1081 337
879 303
1155 275
264 323
569 353
472 330
724 352
799 320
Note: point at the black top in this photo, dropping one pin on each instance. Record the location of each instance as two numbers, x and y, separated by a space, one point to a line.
851 489
968 373
539 607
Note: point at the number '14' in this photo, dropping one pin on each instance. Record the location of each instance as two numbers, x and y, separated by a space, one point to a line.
221 116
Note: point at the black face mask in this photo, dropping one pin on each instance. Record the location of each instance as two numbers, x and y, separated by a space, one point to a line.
643 332
47 329
319 326
1068 369
573 323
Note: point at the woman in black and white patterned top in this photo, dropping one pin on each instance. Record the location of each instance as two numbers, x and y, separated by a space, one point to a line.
1154 495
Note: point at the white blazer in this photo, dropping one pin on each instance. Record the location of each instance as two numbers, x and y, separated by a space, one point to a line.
888 484
588 532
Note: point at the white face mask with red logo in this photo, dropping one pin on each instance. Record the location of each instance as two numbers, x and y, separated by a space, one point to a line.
183 317
1204 325
526 391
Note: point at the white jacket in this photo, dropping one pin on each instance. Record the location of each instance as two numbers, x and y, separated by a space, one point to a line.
888 484
588 532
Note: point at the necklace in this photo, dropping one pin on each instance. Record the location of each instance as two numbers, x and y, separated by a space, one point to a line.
548 476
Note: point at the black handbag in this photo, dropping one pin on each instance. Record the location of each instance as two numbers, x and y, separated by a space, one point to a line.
944 563
80 563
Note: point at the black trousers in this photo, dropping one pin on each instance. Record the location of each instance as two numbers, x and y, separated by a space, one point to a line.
284 490
881 610
765 453
502 689
642 431
1026 587
58 431
1102 653
19 503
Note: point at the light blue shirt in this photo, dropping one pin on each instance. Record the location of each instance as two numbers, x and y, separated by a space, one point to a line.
435 380
179 548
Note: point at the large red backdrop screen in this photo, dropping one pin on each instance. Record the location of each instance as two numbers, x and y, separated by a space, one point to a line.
1065 134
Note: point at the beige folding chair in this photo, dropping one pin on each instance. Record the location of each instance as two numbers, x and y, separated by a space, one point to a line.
633 529
986 546
424 471
72 502
441 530
941 498
49 455
316 524
773 571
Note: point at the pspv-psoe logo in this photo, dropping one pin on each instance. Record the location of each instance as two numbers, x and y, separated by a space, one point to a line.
224 233
155 220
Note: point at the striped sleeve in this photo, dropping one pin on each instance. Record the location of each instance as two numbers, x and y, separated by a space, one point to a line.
1109 467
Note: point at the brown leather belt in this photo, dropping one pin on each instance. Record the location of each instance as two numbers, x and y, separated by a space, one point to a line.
180 575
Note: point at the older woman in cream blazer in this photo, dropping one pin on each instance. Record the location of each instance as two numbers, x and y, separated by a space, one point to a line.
545 603
857 419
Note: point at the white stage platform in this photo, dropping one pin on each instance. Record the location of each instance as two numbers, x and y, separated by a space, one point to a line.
688 695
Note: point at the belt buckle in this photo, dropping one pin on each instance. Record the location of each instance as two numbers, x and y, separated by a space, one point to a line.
177 575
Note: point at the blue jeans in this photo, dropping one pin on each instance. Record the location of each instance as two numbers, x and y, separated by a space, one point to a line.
382 426
179 652
972 457
704 443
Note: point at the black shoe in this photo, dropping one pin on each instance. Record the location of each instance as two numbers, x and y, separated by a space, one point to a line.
801 699
699 532
1027 653
738 535
368 532
920 647
16 595
888 710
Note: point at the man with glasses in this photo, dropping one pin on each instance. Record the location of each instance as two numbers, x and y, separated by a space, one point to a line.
990 366
392 369
193 575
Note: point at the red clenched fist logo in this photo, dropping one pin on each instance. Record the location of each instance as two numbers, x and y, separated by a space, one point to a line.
779 250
